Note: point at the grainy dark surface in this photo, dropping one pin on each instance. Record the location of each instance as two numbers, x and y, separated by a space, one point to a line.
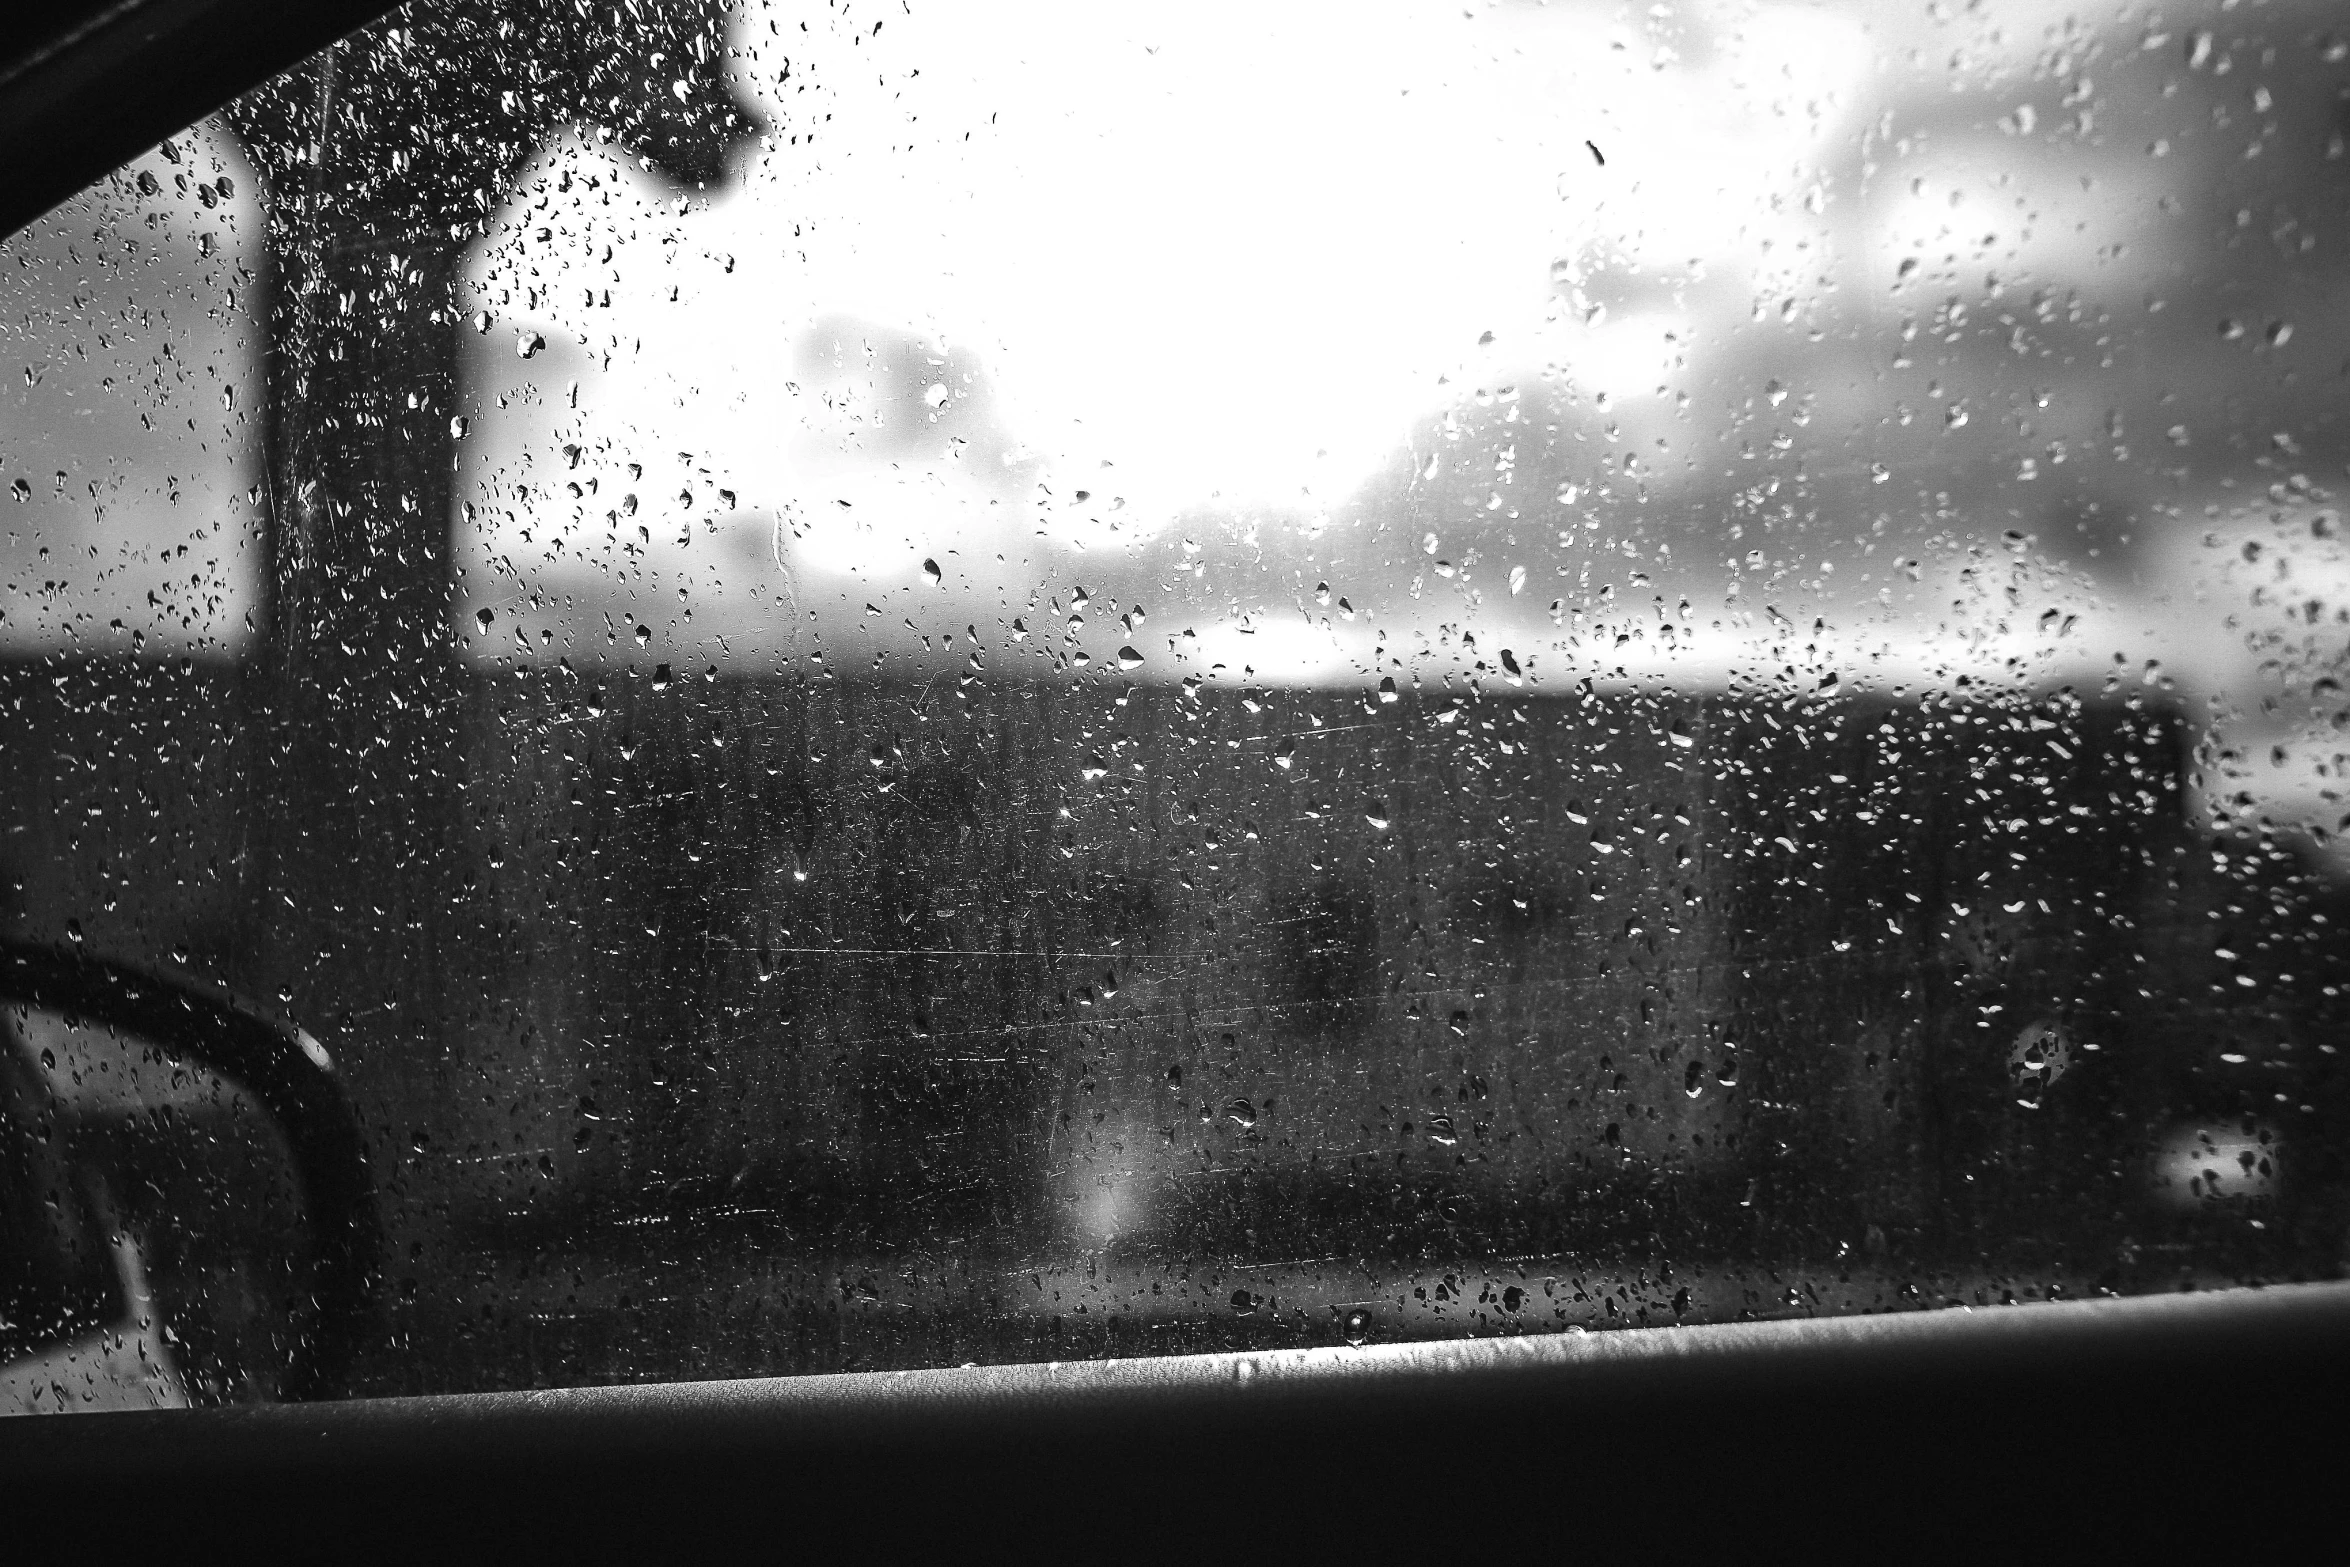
2116 1426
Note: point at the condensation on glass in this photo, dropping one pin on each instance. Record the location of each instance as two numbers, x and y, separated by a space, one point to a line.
935 683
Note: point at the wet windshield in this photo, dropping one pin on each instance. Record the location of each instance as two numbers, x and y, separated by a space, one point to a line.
920 684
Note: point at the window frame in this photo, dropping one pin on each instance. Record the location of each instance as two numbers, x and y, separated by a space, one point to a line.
1980 1422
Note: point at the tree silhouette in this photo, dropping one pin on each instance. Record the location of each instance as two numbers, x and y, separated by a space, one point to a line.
381 160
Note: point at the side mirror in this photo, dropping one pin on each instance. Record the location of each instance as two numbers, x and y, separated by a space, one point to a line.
186 1210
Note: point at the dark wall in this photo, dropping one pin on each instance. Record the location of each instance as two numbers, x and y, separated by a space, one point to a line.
738 968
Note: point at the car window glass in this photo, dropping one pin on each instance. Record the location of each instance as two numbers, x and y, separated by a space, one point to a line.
931 684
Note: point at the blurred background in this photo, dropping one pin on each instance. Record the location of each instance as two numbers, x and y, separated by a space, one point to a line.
1012 681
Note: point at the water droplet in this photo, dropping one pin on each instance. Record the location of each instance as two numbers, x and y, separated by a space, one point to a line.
1242 1112
484 618
930 570
527 343
2041 1054
1128 658
458 425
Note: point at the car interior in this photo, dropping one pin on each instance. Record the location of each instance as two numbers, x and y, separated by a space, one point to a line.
1369 777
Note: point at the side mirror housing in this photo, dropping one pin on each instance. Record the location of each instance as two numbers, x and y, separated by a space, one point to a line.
120 1089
